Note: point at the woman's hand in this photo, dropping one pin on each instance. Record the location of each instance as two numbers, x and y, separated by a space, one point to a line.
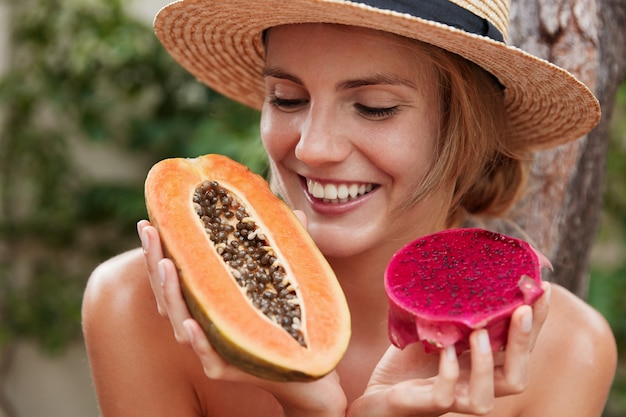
404 384
164 281
323 397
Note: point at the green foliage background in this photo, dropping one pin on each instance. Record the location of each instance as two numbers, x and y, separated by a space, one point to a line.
84 74
608 276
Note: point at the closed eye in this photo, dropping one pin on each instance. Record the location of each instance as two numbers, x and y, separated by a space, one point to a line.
376 112
287 104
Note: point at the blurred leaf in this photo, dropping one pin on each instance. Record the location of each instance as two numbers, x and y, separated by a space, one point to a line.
608 279
80 72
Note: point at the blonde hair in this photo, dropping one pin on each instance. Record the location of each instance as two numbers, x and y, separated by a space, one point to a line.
475 157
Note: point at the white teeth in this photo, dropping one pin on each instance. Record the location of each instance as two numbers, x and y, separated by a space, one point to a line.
316 189
337 193
353 190
330 191
342 192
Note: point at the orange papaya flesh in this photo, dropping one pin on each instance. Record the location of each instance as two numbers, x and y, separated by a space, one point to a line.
232 311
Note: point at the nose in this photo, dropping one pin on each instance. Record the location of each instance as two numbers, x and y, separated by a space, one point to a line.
323 138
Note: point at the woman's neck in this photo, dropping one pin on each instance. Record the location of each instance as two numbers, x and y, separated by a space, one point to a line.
362 275
362 279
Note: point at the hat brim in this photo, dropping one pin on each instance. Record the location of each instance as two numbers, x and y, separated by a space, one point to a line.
219 42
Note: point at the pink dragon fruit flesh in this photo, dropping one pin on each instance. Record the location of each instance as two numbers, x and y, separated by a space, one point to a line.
442 286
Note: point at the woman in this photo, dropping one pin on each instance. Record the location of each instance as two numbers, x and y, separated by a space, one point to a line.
352 94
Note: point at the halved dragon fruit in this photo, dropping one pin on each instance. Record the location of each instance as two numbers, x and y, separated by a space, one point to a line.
443 286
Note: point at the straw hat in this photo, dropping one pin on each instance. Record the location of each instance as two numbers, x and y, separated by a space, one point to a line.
219 42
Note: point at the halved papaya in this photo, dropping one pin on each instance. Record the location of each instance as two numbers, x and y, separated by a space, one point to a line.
251 276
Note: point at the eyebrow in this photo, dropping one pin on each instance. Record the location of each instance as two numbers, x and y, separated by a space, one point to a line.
281 74
377 79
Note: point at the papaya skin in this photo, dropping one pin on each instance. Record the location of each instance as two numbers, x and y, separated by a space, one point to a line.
239 332
237 356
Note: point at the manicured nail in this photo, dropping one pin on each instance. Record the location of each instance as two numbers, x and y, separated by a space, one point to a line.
450 353
527 322
161 271
483 342
144 240
188 330
548 293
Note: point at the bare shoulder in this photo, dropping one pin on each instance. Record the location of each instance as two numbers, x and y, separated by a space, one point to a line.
118 292
575 322
120 279
137 366
574 360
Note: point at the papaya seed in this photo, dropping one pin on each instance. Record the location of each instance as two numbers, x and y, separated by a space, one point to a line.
250 257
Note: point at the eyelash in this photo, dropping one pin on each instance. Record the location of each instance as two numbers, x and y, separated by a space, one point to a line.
366 111
286 104
376 112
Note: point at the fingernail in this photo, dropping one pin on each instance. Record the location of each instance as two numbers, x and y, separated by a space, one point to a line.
450 353
144 240
527 322
548 293
188 330
161 271
483 342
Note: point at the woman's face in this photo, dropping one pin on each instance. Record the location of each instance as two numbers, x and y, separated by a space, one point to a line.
350 123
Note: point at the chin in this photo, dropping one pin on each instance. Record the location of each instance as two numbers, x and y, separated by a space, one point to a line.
334 244
333 251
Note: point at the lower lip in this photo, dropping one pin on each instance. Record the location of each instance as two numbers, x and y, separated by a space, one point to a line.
335 209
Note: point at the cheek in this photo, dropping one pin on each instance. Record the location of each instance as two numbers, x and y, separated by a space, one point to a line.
277 137
409 152
267 130
424 145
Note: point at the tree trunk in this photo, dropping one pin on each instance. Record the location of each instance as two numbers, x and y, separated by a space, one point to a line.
563 202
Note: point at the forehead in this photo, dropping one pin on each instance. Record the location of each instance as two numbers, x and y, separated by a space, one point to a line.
347 48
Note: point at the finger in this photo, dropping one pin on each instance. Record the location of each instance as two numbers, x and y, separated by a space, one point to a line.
540 312
513 377
480 393
436 394
173 299
141 224
444 388
153 253
212 363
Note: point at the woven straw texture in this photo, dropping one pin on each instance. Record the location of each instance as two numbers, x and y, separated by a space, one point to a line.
219 42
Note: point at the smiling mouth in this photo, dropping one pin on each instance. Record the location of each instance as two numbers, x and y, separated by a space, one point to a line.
335 193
